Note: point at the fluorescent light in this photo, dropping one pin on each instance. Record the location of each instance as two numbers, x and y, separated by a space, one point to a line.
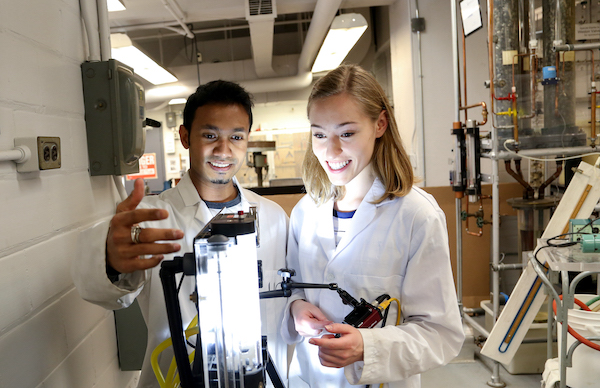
115 5
123 51
343 34
177 101
166 91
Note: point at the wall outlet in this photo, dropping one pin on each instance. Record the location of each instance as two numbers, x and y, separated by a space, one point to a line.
45 153
48 152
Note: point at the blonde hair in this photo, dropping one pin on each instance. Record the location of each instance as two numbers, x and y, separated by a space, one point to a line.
389 160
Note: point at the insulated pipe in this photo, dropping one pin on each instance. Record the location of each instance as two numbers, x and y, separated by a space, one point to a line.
495 381
593 118
557 25
19 154
89 13
559 99
95 15
576 47
542 152
104 30
457 126
323 15
177 13
490 12
532 68
169 25
421 101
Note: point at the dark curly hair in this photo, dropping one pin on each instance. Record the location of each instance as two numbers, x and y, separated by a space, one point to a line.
217 92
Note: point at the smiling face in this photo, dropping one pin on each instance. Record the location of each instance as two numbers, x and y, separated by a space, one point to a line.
217 140
343 138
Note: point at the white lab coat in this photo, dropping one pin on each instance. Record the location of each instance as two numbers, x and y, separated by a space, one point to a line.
398 247
188 213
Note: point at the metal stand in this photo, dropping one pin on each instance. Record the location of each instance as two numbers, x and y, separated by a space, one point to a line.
557 264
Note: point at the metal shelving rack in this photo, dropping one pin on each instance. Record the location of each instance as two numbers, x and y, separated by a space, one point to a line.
558 261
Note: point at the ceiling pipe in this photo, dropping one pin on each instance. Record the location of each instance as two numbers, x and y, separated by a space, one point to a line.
323 15
261 22
175 10
89 13
169 25
261 37
104 30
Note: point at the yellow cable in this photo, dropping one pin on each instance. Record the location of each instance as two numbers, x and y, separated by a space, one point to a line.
399 311
170 381
384 305
154 361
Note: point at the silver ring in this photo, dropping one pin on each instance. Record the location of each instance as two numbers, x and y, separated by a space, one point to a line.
135 234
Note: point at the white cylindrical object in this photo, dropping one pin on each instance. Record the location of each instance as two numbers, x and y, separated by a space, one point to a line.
20 154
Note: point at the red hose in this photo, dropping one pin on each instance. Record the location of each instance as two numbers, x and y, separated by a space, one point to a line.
575 334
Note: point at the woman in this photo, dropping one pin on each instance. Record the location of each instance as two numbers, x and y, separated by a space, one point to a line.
365 227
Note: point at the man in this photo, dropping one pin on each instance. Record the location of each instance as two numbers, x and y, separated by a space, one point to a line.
122 262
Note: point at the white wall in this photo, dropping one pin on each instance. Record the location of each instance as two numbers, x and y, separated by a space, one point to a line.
49 337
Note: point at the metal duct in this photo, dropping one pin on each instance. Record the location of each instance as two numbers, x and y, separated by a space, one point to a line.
261 16
323 15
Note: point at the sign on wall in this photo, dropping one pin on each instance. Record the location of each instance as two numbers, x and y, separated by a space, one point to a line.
147 168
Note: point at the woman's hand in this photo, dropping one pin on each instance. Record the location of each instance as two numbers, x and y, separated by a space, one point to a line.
309 320
343 347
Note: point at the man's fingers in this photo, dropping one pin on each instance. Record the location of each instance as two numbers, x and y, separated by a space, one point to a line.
131 218
152 249
150 235
134 199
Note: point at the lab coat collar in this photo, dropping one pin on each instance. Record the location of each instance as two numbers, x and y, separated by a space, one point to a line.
190 197
364 215
362 218
325 228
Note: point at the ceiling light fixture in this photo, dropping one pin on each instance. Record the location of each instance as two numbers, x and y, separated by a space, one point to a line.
124 51
177 101
343 34
115 5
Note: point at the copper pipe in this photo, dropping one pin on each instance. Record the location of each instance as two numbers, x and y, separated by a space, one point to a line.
533 78
490 16
593 103
551 179
556 87
513 66
593 107
518 167
556 113
528 193
515 120
464 52
480 232
484 111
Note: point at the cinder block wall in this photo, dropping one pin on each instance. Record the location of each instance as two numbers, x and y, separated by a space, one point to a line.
49 337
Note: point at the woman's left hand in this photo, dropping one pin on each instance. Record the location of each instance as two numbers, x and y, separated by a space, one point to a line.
344 350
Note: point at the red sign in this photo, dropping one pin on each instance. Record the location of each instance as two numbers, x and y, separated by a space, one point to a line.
147 168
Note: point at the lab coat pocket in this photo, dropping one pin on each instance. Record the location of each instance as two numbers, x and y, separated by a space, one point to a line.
371 287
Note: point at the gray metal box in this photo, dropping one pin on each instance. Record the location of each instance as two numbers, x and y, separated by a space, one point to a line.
114 116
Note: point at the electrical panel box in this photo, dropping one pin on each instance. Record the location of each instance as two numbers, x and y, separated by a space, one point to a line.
114 115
